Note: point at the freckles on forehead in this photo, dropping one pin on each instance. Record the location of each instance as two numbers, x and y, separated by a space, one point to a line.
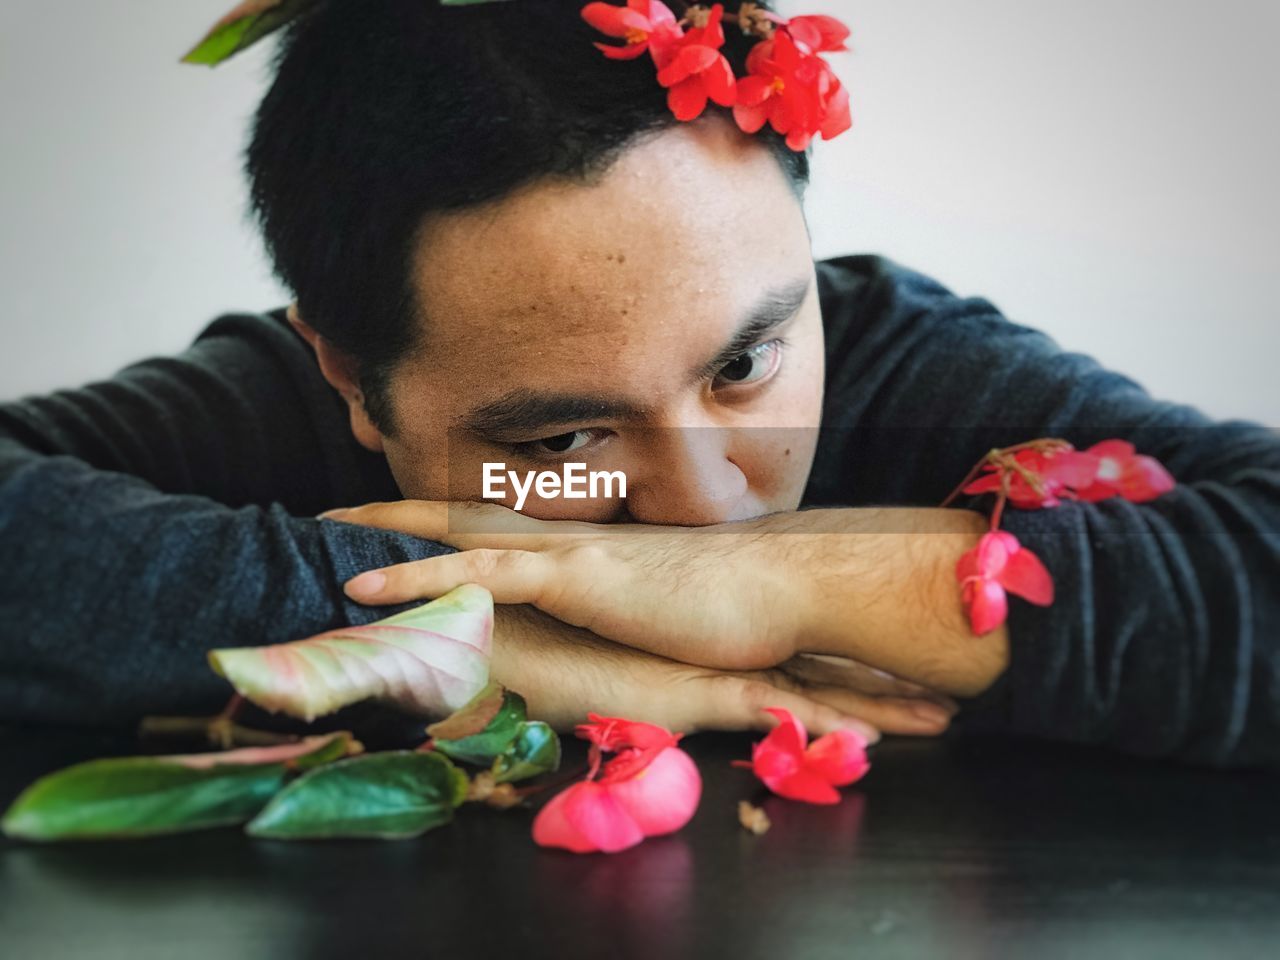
565 280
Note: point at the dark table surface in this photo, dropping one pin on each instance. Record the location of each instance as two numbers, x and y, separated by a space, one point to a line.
977 848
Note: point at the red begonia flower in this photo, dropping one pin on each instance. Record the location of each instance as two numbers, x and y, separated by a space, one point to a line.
1000 564
817 33
1058 473
650 788
791 89
644 24
1124 472
810 773
698 71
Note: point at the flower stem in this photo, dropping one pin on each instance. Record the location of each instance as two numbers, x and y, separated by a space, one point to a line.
217 730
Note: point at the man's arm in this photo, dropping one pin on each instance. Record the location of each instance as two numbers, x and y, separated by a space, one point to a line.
150 518
1164 637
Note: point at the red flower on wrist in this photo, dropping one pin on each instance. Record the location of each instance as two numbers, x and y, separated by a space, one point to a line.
999 564
1038 478
1121 471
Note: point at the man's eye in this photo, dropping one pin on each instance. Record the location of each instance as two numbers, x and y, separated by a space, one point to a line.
754 365
564 442
558 445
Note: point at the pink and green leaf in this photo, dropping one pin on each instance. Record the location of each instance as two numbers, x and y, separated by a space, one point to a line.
428 661
251 20
242 27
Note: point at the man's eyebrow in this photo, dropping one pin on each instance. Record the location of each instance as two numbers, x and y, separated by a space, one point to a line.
771 311
524 412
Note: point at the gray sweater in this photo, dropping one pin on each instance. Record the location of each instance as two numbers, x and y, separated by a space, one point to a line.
148 518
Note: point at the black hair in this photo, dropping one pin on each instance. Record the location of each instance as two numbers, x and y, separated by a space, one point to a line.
383 112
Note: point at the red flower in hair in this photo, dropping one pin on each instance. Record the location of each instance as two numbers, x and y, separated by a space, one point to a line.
644 24
791 88
698 71
816 34
788 86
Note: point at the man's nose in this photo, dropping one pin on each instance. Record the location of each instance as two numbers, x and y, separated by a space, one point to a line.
687 478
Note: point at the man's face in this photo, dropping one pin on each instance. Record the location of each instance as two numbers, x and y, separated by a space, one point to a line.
663 322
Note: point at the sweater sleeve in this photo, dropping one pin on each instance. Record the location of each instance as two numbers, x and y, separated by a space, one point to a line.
152 517
1164 637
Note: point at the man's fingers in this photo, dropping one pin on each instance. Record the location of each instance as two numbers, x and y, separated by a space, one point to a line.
512 576
840 671
901 715
737 703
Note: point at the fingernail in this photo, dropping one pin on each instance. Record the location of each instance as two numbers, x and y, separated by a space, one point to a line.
333 514
367 584
868 733
932 714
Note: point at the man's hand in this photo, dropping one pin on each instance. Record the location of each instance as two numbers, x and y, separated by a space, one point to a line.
875 586
564 671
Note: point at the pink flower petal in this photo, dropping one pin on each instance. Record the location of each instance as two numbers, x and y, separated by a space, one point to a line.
657 12
596 819
819 32
721 85
753 91
838 118
662 797
789 735
614 21
993 552
1025 576
987 604
804 785
689 61
1144 478
687 99
1119 449
552 827
629 52
614 733
750 119
839 757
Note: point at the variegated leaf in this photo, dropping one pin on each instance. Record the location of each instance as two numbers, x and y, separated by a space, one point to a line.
428 661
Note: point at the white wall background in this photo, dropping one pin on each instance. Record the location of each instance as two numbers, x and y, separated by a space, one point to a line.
1104 170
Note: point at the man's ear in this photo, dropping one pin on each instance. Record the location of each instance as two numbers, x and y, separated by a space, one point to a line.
340 370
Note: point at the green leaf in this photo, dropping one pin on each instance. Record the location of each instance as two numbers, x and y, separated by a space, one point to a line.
244 26
141 796
534 751
387 795
472 718
429 660
251 20
481 748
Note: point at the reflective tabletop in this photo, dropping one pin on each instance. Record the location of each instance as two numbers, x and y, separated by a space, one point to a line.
955 848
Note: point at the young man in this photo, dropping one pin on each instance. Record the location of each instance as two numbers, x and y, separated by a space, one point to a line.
505 249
